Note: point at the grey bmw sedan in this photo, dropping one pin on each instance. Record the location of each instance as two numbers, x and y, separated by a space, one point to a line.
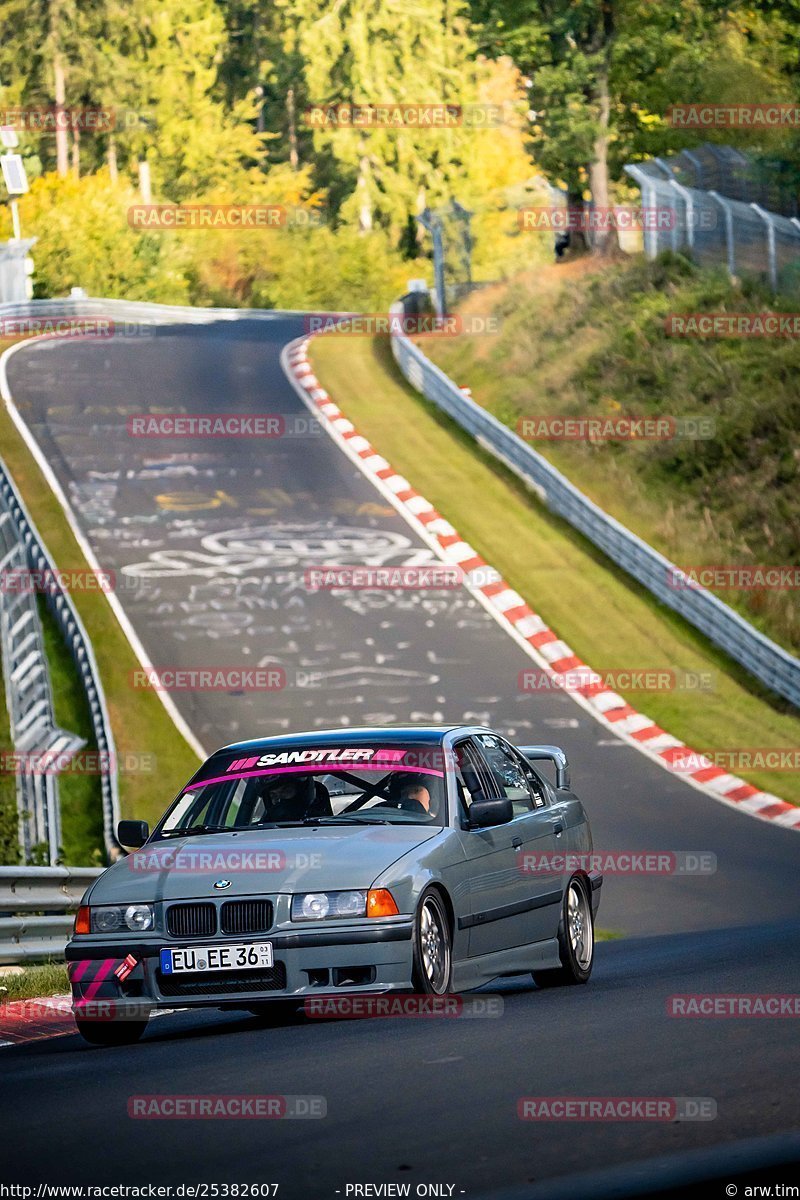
345 862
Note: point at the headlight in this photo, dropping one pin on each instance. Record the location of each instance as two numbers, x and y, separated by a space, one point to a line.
135 917
319 906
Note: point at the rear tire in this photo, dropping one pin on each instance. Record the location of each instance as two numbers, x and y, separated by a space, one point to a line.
433 947
111 1033
575 939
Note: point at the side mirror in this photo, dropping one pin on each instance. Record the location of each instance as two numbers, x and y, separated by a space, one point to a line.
483 812
133 833
553 754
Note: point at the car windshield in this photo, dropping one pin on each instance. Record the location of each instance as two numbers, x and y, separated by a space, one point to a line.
345 785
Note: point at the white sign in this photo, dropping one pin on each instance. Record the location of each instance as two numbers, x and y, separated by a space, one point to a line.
14 174
8 137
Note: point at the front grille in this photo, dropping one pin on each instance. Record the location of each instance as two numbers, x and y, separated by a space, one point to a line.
223 983
191 920
246 916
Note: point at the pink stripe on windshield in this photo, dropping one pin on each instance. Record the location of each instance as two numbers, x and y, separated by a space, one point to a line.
330 770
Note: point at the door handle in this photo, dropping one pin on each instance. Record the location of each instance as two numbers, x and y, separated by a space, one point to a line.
558 828
516 842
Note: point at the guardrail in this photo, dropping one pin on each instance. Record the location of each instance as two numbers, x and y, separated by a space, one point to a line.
34 556
36 907
774 666
29 701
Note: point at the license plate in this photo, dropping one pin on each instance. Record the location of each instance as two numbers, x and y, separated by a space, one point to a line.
217 958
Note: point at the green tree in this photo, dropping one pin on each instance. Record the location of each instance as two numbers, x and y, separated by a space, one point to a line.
604 72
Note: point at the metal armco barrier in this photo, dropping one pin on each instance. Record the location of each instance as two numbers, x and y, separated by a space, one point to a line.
767 661
30 707
28 892
29 699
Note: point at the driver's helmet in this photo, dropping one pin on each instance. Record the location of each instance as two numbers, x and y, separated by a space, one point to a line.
288 797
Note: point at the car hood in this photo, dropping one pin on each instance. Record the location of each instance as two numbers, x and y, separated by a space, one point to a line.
265 861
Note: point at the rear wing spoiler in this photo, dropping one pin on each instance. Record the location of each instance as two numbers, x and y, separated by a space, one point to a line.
553 754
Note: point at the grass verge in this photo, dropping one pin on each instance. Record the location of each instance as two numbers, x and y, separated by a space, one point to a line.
45 979
9 817
79 794
140 723
561 575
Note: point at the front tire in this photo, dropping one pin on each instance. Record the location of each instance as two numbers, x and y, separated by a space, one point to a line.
575 939
111 1033
433 947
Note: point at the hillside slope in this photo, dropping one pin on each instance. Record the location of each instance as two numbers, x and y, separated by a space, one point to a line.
588 340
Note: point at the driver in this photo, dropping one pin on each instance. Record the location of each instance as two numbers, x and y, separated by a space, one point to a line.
419 792
288 798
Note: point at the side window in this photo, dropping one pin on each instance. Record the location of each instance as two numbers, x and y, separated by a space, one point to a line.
470 773
509 773
537 786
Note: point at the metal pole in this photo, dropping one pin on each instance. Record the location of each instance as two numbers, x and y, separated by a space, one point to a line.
772 258
15 221
432 222
726 208
689 201
698 166
438 267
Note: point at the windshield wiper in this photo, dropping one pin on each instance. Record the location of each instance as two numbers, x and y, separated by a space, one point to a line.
190 830
347 818
344 819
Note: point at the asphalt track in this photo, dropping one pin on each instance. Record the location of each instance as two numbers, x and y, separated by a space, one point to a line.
209 540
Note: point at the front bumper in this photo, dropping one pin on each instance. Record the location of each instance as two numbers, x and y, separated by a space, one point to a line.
307 963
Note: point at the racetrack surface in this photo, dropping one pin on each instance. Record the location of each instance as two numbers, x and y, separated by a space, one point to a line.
426 1100
210 539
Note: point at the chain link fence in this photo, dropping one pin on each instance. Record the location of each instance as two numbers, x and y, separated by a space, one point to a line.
717 227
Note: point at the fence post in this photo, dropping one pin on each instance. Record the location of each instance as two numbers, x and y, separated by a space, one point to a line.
726 208
689 202
649 197
772 258
698 167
